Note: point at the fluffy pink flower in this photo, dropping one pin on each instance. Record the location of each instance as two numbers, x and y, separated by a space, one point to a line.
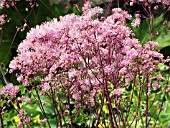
2 18
9 90
20 78
117 92
23 99
27 119
22 112
136 22
20 125
153 45
13 65
159 77
155 86
83 53
86 7
123 71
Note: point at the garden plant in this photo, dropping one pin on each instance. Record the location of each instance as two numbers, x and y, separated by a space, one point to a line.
95 67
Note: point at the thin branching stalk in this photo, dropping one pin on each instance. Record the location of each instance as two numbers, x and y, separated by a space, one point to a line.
70 113
107 94
108 9
118 113
13 39
55 107
25 21
3 75
61 112
147 100
150 21
1 119
32 9
48 8
139 99
43 111
131 97
159 111
100 110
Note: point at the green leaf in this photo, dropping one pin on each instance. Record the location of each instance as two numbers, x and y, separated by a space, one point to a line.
143 32
163 40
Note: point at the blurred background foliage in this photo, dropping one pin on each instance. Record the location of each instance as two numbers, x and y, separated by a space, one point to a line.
45 10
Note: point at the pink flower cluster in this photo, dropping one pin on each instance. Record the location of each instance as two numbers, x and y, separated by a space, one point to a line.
83 53
146 2
136 22
117 92
9 90
2 19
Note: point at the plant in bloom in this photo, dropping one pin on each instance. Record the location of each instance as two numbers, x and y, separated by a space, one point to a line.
91 61
9 90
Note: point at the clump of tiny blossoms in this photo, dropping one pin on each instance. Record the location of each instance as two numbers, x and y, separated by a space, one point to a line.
9 91
146 2
84 53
